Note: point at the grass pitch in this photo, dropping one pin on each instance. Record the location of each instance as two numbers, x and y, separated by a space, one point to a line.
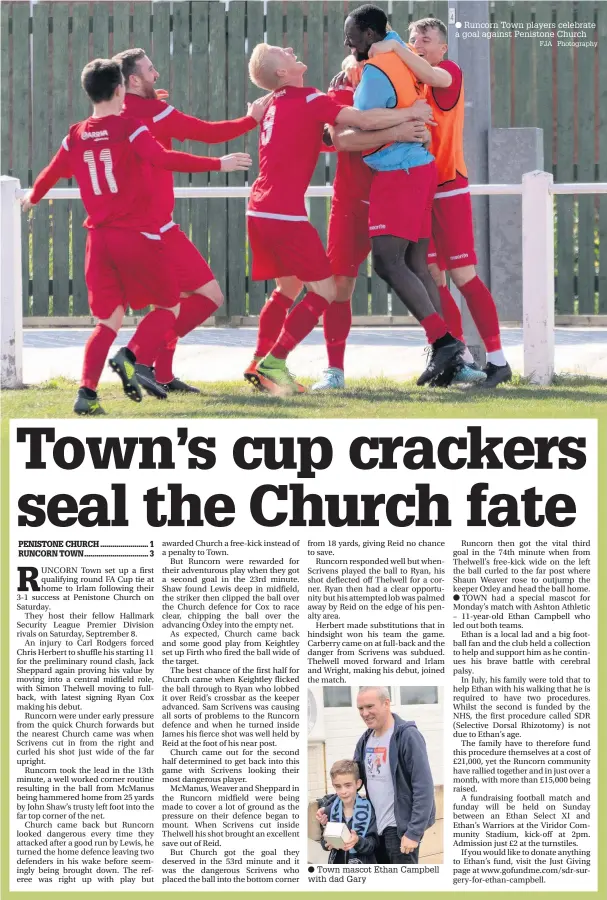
379 398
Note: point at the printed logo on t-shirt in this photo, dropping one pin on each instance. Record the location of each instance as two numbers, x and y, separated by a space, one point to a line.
376 760
94 135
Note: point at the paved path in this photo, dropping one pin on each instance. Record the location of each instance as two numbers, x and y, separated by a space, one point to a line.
214 354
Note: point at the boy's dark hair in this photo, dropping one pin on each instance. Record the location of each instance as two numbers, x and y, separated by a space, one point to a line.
345 767
429 22
369 16
100 78
128 60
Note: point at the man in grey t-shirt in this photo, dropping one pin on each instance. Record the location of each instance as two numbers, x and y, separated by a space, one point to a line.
380 789
395 770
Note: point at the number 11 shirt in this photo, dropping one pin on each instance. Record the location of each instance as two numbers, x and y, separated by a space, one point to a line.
113 158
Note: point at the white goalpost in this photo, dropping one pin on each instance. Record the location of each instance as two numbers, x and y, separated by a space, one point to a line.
536 190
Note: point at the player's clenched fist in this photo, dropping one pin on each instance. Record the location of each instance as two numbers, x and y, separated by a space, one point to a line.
322 817
236 162
258 107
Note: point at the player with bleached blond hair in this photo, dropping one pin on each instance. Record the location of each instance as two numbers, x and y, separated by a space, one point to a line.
284 244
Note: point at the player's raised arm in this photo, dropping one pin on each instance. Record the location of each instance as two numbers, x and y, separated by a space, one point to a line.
189 128
141 102
421 68
59 167
148 148
326 109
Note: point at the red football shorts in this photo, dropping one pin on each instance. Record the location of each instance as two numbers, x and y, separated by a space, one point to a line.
452 243
125 268
282 248
348 241
193 271
401 202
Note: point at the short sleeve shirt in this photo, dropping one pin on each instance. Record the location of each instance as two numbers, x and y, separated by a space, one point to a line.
446 98
380 787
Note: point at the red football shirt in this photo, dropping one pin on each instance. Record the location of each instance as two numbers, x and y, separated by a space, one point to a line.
290 138
352 182
446 98
113 159
167 124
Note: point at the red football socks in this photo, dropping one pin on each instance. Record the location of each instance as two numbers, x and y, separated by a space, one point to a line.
95 355
483 311
151 334
434 327
451 313
299 324
193 311
337 320
271 319
163 364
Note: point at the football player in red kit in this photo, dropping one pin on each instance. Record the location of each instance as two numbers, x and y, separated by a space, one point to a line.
113 157
200 291
348 242
284 244
452 246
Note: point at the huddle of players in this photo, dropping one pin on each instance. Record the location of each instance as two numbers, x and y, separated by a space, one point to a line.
137 255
